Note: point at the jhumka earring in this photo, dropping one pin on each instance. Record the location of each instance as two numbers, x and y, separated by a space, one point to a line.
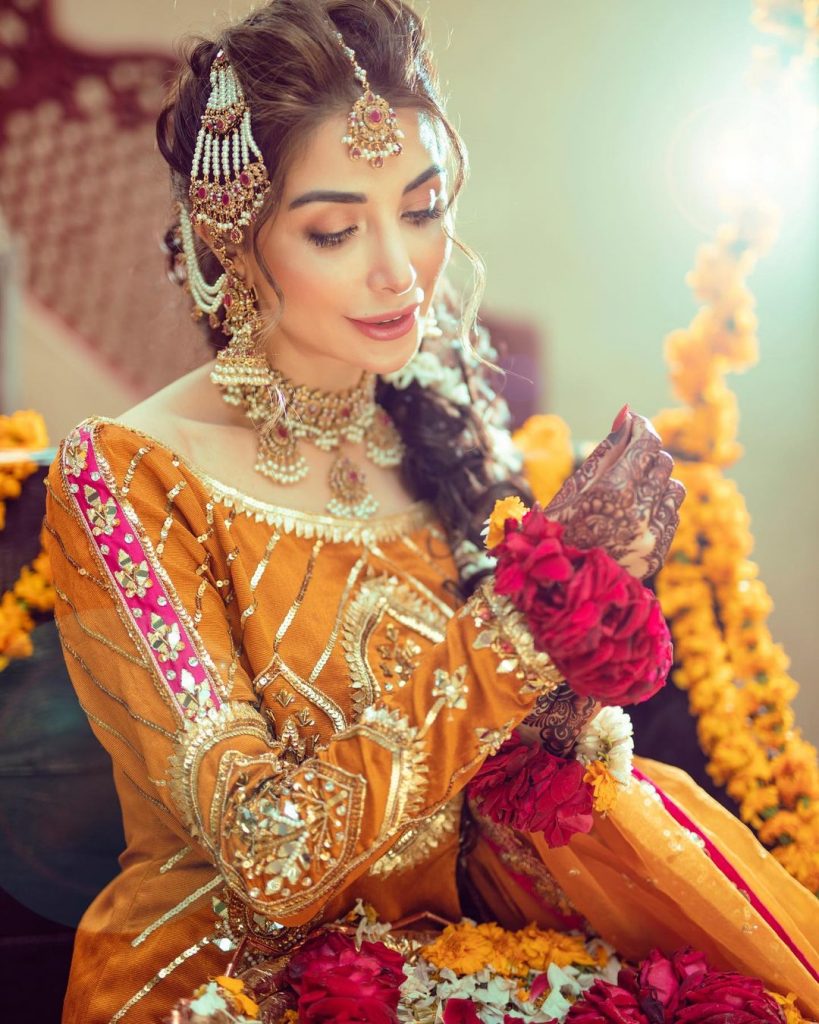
228 185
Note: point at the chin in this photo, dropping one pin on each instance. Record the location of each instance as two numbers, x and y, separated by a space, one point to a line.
389 356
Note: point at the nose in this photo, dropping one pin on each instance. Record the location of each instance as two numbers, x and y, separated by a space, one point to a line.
392 268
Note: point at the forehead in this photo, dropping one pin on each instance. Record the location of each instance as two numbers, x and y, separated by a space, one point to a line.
324 163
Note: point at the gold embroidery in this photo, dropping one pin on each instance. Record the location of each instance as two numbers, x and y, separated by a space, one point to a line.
80 569
288 837
361 618
381 595
421 596
99 636
260 568
515 852
163 972
417 844
399 657
491 740
159 569
75 454
209 520
166 526
506 633
305 583
333 529
66 645
134 579
114 732
197 894
102 515
234 718
175 859
451 687
145 796
276 668
132 468
352 576
408 778
57 501
293 747
304 717
165 638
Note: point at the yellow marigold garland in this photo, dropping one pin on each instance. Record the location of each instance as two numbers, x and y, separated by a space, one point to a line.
735 675
33 590
467 947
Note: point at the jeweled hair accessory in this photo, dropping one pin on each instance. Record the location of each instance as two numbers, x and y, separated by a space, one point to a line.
371 124
228 178
228 184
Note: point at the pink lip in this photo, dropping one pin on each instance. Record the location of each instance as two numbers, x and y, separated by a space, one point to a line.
385 316
390 331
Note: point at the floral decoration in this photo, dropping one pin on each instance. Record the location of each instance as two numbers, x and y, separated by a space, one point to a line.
33 591
602 628
363 970
532 790
716 606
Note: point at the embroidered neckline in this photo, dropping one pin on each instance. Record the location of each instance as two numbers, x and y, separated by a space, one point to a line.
303 524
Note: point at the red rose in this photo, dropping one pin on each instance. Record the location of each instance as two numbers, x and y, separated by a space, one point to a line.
606 1004
661 983
725 996
603 629
689 963
531 790
460 1011
347 1009
332 977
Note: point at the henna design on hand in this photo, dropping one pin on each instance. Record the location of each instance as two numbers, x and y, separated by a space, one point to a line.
558 718
622 499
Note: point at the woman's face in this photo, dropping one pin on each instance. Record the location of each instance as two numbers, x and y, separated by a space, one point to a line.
354 242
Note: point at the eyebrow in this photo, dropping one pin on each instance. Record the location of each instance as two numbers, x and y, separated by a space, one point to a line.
359 197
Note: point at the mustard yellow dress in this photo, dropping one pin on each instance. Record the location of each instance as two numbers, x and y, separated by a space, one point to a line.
293 705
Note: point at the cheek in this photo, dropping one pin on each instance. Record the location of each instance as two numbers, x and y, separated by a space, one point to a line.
434 256
308 280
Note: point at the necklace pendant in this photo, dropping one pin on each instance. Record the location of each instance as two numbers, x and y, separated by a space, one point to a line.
278 458
384 444
348 487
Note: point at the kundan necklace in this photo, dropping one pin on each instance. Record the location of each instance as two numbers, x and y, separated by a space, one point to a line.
285 413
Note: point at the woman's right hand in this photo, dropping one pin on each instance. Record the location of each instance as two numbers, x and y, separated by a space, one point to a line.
622 498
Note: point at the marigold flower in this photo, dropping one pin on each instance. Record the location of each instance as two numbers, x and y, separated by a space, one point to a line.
604 785
506 508
545 441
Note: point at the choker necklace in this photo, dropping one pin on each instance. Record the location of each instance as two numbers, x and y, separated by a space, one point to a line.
285 413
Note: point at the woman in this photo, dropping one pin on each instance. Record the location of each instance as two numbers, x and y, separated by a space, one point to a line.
269 572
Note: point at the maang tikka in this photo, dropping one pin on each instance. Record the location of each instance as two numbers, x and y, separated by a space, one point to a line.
228 185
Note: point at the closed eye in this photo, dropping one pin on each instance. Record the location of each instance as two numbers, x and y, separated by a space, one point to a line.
419 218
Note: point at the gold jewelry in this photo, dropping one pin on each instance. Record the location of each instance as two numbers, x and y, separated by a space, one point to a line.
372 130
228 185
285 413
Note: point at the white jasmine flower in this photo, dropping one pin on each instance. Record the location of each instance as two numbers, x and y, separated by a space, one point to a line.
210 1001
608 737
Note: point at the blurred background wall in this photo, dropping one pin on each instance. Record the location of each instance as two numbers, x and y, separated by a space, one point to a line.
586 124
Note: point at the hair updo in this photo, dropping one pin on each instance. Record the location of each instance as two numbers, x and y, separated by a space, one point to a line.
294 75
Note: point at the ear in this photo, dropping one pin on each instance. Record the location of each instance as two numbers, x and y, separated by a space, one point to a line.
233 252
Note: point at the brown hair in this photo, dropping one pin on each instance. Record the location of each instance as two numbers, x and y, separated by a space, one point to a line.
294 75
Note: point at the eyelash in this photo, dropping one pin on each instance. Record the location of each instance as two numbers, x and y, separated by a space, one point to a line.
417 217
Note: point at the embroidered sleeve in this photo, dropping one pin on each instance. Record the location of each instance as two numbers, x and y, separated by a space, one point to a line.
149 648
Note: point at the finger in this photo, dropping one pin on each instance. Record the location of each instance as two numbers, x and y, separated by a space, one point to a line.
676 492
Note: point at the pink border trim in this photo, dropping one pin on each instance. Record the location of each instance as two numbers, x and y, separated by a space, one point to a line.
730 872
181 670
567 920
